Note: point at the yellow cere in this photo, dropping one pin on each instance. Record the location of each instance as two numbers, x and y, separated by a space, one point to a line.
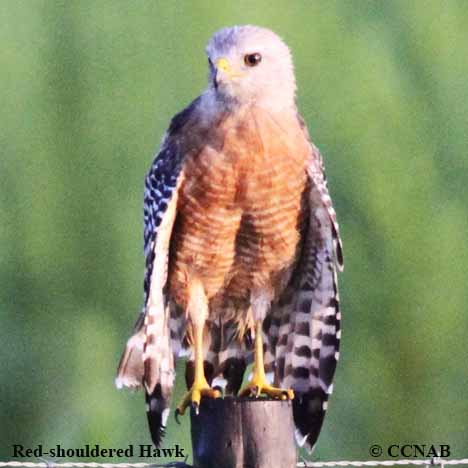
223 64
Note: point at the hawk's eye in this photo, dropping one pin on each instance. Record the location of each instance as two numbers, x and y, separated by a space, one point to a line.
252 59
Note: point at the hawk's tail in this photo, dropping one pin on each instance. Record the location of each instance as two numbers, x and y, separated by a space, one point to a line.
227 353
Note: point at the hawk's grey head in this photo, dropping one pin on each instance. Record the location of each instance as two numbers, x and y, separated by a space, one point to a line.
249 64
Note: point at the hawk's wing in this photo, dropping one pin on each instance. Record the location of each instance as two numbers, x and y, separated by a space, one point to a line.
148 358
304 326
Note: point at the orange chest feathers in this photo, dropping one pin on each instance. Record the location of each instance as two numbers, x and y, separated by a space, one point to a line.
241 210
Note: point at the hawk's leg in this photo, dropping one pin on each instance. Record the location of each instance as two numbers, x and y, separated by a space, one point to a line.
258 384
197 312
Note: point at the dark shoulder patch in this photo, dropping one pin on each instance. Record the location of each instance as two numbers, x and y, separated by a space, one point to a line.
180 119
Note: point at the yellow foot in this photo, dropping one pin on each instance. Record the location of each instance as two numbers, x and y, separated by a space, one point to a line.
258 386
194 395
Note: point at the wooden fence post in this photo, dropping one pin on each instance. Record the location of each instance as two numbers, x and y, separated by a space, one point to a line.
243 433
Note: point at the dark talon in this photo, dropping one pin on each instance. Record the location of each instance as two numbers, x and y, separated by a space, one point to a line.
176 416
196 407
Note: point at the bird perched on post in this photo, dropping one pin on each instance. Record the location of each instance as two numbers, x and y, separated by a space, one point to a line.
241 243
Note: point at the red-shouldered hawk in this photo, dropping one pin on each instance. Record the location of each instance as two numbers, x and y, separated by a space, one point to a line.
241 243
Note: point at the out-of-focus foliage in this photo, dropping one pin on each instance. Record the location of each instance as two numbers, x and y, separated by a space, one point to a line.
87 89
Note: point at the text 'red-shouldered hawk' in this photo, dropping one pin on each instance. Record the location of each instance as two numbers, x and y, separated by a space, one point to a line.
241 243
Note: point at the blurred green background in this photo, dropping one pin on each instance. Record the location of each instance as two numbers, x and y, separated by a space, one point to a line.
87 89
